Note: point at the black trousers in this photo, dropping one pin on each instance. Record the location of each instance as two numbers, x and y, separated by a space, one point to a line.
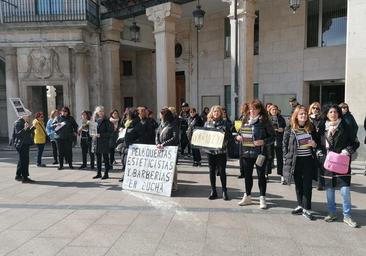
106 162
111 155
196 155
86 145
64 151
217 166
23 161
303 177
184 142
279 157
54 150
248 166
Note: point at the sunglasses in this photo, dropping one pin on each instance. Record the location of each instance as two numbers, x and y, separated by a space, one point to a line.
345 107
316 108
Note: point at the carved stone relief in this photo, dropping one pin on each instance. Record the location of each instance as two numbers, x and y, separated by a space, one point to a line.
43 63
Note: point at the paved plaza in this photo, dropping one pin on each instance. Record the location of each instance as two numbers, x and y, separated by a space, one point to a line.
68 213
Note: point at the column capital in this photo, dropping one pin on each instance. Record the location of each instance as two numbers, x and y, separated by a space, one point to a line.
245 8
164 16
81 49
10 51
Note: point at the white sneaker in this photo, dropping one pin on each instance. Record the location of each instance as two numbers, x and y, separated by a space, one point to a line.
247 200
262 202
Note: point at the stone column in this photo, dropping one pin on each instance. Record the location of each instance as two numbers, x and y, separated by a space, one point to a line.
164 17
12 85
246 18
355 93
110 44
81 81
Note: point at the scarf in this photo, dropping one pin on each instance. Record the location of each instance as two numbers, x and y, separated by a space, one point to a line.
253 120
114 122
331 127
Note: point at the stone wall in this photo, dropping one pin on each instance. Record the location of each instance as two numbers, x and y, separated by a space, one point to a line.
3 103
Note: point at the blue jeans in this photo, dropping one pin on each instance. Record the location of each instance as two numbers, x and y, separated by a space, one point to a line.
346 196
40 153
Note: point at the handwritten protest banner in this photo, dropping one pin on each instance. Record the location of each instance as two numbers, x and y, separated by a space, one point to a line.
206 138
149 169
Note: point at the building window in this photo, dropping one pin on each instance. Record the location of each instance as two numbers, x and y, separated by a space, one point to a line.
227 34
127 68
326 23
127 102
209 101
228 99
256 91
256 33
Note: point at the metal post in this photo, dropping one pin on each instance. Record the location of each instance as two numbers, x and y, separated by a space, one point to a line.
198 80
236 85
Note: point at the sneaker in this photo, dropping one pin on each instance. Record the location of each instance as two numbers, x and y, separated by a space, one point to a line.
262 202
195 164
283 181
308 215
350 222
247 200
297 211
330 218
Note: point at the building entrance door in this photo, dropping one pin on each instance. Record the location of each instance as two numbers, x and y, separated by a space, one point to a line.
180 89
327 92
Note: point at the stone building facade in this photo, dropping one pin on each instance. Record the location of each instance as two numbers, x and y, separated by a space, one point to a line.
84 64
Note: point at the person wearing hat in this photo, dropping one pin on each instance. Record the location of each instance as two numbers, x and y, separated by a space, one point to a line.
183 121
293 103
22 138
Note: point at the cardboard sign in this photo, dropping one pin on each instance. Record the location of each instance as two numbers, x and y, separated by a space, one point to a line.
19 108
208 138
149 169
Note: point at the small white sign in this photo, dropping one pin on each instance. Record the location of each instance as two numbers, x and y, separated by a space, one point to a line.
149 169
19 108
211 139
93 128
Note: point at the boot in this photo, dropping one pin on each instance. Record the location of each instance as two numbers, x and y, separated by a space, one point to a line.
225 195
99 175
213 195
105 176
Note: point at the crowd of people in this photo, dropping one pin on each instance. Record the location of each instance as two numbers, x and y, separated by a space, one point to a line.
300 144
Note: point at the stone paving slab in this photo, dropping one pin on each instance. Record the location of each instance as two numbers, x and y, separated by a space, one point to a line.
68 213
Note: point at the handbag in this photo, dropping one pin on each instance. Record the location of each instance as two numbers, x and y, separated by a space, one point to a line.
337 163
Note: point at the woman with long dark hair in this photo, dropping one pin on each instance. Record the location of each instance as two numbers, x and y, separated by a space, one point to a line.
338 137
299 141
256 132
115 120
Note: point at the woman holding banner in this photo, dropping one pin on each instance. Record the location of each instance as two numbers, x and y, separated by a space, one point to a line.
217 158
168 135
299 140
256 132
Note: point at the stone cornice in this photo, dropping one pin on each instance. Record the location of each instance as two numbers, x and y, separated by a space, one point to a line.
246 8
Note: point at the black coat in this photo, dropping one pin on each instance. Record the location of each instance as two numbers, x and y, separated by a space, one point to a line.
21 136
352 124
134 133
67 132
279 135
105 129
167 134
193 122
262 130
343 138
148 128
290 153
222 126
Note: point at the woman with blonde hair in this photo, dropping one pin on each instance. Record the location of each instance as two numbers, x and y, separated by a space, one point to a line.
217 158
299 141
315 114
51 134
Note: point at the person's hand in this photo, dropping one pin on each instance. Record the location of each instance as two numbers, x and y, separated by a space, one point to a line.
26 126
98 135
312 143
259 142
159 146
279 130
239 138
345 152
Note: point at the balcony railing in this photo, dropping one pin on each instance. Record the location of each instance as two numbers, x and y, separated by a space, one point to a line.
21 11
